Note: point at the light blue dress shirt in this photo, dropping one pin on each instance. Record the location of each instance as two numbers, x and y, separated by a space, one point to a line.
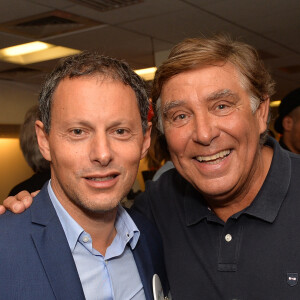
110 277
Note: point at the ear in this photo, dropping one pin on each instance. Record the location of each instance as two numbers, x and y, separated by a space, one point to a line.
287 123
43 140
262 114
147 140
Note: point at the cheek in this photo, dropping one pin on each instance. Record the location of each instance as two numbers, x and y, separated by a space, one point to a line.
66 157
129 157
178 139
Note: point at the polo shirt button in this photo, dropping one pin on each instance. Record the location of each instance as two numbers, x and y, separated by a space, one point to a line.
228 237
85 239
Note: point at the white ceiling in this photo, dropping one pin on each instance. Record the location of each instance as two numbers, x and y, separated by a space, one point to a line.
136 32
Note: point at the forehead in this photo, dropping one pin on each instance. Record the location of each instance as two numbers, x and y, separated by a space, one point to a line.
93 85
201 81
95 95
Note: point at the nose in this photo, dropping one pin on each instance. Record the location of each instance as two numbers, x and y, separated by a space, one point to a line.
205 129
100 150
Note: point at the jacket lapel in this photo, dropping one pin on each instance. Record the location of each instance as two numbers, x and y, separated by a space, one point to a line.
53 249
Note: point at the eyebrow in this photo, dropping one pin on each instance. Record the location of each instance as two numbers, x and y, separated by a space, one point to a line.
213 96
221 94
169 105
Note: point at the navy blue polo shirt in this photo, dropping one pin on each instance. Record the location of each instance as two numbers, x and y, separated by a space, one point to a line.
254 255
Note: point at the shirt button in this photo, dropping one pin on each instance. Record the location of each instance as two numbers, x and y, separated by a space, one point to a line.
228 237
85 239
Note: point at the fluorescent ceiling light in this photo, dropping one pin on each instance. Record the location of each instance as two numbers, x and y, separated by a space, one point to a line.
147 74
34 52
275 103
25 49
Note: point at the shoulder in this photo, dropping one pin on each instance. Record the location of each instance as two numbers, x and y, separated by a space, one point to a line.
169 182
144 225
169 186
39 212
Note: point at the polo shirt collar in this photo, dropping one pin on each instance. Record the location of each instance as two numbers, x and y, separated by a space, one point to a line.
195 206
266 204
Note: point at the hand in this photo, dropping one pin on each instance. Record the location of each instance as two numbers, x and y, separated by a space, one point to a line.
18 203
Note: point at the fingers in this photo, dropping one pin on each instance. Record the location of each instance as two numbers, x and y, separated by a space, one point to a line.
18 203
33 194
2 210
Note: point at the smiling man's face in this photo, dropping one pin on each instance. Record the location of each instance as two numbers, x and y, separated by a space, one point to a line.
95 142
212 134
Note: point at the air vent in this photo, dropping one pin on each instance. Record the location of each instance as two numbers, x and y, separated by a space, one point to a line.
291 69
47 24
47 21
105 5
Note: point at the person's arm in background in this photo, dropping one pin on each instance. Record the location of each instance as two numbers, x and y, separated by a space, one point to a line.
18 203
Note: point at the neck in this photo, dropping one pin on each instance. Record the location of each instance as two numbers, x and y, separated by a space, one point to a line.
238 200
101 227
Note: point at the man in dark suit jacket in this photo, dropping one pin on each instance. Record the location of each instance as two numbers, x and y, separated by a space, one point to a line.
93 131
36 261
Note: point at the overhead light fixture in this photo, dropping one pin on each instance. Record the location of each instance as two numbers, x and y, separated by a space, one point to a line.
25 49
275 103
146 74
34 52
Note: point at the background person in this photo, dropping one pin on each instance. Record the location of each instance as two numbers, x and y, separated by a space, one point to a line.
30 149
288 122
158 156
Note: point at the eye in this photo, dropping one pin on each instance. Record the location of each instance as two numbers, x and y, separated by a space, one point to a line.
222 106
180 117
77 131
120 131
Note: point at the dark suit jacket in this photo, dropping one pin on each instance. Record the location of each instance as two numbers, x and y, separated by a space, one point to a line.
36 262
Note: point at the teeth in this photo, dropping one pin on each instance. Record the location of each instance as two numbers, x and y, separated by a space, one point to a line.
213 158
100 178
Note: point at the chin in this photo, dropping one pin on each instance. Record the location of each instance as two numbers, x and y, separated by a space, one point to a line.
96 210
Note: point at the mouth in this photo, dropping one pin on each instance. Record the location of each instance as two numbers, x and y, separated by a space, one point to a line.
213 159
100 179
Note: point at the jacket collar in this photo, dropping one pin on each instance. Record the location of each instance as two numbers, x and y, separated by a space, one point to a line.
53 249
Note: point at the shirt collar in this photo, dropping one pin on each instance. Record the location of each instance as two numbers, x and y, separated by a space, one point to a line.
127 231
268 201
266 204
194 206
